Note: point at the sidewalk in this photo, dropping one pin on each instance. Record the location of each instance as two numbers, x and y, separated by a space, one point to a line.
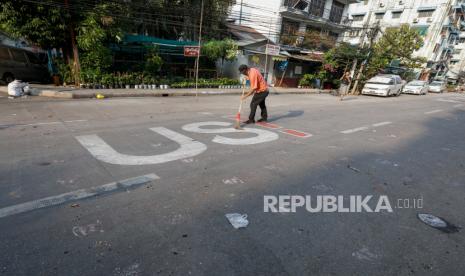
75 93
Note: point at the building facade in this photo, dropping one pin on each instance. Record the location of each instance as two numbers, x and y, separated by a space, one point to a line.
439 22
304 29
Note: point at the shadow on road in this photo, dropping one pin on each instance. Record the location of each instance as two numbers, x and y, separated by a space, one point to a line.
290 114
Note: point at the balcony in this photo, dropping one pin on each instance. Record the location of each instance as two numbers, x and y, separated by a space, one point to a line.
315 14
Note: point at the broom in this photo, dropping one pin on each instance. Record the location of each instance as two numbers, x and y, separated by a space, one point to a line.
237 125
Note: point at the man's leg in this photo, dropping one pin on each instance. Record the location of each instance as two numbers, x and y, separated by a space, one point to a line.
253 107
263 107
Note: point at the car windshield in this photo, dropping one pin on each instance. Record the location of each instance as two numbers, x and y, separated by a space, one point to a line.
416 83
381 80
436 83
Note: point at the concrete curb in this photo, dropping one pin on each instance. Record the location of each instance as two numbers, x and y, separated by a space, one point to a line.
67 93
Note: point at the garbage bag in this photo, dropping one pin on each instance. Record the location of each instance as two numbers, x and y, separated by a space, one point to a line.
15 88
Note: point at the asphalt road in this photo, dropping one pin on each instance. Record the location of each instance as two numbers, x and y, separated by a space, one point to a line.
187 169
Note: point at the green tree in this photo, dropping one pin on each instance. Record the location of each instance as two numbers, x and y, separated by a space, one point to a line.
396 44
43 23
224 50
95 31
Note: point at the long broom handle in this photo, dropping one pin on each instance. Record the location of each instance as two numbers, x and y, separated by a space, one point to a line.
243 92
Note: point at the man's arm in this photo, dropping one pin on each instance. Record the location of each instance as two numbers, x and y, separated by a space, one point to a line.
251 92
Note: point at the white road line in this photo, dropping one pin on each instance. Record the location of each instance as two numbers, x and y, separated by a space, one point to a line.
75 121
433 111
51 123
349 131
381 124
458 105
447 101
41 124
76 195
206 113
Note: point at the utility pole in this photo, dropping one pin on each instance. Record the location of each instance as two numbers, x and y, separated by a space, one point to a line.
76 63
372 35
240 14
361 43
197 63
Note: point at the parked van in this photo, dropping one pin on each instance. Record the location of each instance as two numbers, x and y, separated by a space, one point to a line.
22 65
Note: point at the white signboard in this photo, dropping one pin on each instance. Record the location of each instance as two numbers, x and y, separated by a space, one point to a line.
272 50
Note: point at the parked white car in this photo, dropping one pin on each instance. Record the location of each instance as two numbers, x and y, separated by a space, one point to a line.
416 87
384 85
437 87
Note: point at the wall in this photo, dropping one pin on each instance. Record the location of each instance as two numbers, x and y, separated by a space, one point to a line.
260 15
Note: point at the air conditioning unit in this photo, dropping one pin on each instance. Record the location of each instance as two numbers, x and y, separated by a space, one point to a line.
429 20
415 20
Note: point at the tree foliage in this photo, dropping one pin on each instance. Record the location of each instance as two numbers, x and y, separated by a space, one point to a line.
43 23
396 44
224 50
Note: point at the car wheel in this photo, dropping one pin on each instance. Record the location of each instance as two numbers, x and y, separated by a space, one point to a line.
8 77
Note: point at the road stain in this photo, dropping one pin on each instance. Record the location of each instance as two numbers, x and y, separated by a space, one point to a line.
188 160
364 254
84 230
131 270
232 181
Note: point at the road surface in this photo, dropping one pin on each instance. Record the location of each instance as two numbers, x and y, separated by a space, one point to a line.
141 186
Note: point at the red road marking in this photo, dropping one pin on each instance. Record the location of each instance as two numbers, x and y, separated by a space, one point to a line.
296 133
268 125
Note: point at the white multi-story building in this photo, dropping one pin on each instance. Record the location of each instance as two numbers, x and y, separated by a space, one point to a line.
287 21
438 21
303 28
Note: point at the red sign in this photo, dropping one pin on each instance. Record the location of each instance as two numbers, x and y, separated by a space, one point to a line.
191 51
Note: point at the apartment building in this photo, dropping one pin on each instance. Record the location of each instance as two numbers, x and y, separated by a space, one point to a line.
304 29
440 22
291 22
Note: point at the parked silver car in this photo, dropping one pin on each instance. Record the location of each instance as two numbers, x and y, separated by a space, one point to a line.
384 85
437 87
22 65
416 87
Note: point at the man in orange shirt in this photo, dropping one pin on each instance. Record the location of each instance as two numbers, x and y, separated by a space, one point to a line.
259 90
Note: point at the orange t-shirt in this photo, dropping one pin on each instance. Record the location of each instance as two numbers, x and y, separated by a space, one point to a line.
257 82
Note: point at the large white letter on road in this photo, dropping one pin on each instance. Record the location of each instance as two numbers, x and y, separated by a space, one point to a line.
104 152
263 136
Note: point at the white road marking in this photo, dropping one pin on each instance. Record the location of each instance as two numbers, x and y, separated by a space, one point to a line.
447 101
41 124
76 195
353 130
263 136
433 111
381 124
104 152
458 105
51 123
75 121
206 113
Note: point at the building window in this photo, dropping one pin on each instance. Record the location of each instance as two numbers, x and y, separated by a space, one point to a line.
396 15
358 17
354 33
379 15
289 32
336 12
317 7
425 13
